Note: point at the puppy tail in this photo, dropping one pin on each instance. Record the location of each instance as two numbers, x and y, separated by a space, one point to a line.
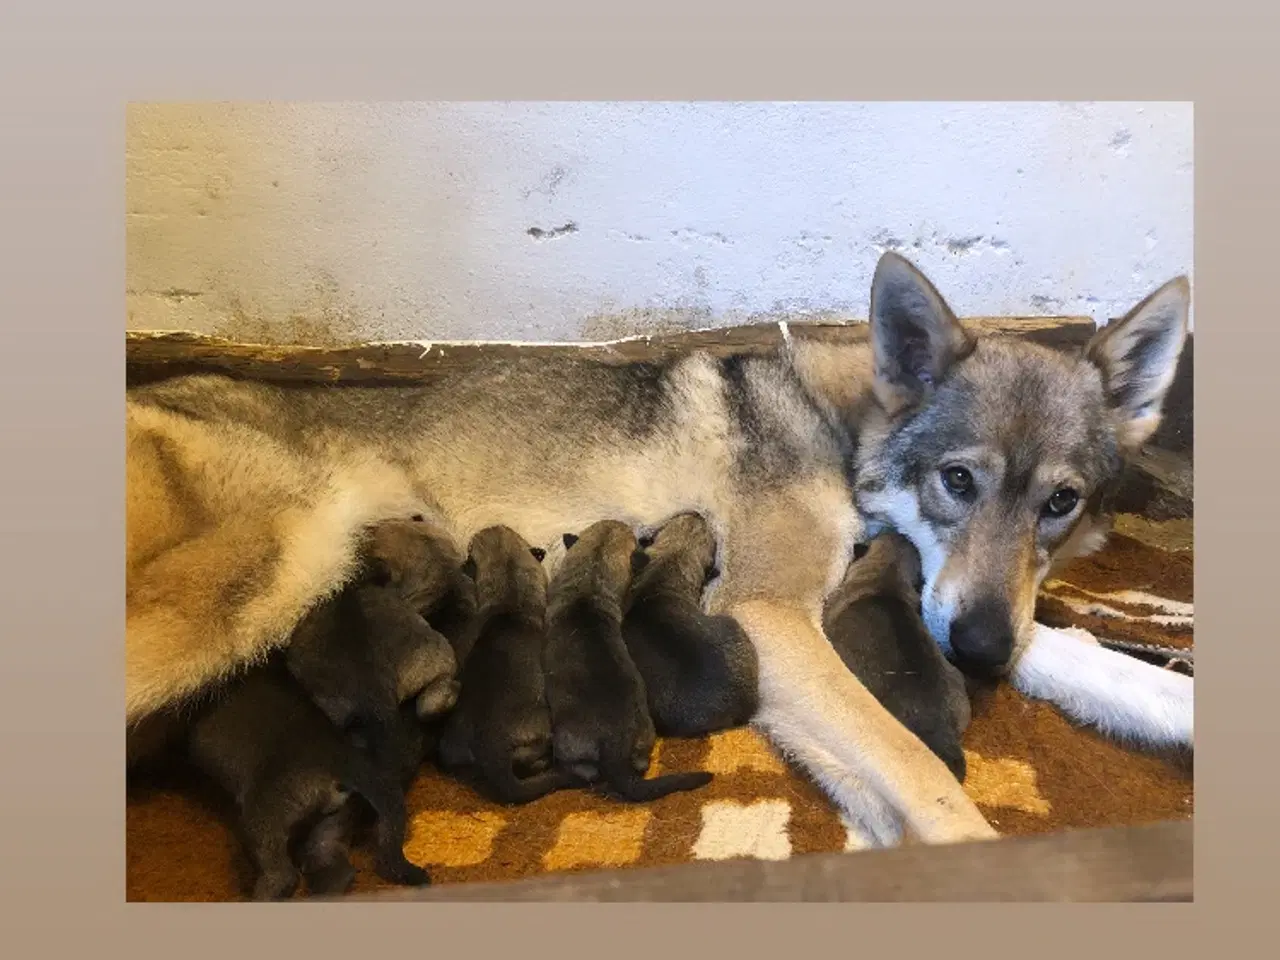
512 789
628 784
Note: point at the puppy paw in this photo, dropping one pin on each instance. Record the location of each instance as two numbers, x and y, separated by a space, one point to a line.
332 880
276 885
401 871
438 698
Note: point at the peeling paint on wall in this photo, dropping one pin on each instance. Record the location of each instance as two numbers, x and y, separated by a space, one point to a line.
324 223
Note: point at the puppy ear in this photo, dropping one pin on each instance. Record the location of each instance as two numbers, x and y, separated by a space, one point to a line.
1138 356
538 553
639 560
915 338
469 568
569 540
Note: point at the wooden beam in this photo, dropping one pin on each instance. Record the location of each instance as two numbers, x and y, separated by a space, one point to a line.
152 356
1143 863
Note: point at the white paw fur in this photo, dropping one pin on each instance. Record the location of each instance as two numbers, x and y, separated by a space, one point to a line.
1122 697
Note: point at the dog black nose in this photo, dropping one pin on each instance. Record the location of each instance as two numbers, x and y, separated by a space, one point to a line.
982 639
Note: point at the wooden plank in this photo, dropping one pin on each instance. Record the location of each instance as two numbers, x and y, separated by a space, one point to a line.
152 356
1142 863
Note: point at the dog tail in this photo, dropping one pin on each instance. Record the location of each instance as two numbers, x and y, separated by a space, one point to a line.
501 777
629 784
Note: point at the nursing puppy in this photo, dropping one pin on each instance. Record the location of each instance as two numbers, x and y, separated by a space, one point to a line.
599 710
275 752
501 723
700 672
361 655
420 560
365 651
874 623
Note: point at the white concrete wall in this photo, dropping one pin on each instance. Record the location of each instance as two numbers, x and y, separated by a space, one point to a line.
321 223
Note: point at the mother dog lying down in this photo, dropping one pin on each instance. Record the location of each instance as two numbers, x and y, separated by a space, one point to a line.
995 457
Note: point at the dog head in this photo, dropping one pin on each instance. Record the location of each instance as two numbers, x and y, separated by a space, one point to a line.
888 566
417 556
507 572
995 457
684 546
598 563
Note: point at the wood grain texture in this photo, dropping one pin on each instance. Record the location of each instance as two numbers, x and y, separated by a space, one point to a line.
152 356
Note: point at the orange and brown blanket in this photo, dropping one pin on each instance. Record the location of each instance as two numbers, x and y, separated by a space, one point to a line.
1028 770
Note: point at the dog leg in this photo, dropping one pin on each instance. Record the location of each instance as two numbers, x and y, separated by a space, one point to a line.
817 711
1122 697
871 820
266 829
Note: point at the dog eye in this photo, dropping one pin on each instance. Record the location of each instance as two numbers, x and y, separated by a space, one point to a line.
1061 502
957 480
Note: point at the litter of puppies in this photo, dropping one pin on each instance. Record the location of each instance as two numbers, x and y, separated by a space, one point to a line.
473 658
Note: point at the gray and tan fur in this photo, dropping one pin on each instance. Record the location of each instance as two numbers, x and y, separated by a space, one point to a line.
873 621
245 504
700 671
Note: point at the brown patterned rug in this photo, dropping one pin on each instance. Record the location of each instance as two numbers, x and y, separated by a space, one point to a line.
1028 770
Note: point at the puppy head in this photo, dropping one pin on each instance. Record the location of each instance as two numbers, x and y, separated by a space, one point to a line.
601 555
328 656
889 565
417 557
506 570
689 537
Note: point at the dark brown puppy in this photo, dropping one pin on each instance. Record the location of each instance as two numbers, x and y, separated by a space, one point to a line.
700 672
326 851
873 620
364 652
420 560
265 743
501 724
599 709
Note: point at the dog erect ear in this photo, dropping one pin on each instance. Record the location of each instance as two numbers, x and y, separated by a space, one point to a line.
1138 356
639 560
538 553
915 338
569 540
